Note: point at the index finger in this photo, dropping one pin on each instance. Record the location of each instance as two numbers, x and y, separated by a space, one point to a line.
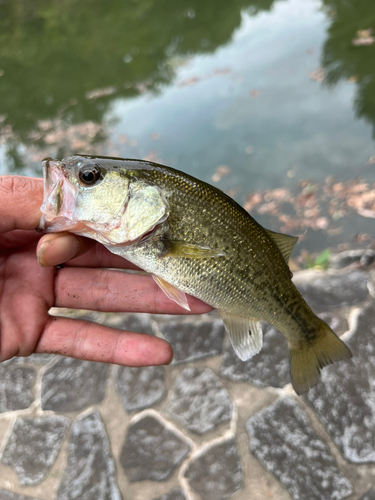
21 198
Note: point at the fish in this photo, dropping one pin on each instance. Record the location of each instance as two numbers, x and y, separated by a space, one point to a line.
193 239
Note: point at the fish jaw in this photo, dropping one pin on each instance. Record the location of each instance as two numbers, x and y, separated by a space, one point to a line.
58 199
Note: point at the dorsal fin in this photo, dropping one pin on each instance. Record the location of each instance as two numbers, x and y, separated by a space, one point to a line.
284 242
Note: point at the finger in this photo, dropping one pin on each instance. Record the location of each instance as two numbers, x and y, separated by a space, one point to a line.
90 341
57 248
116 291
21 198
76 251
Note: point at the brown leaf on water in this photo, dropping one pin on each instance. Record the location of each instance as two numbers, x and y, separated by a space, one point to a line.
95 94
317 75
255 93
221 171
364 37
252 200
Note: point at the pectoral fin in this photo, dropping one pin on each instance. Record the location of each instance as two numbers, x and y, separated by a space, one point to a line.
176 248
245 334
172 293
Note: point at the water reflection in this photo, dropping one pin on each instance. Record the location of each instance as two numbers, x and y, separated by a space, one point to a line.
53 56
349 52
262 91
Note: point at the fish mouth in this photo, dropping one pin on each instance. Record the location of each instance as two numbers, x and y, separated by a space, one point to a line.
58 198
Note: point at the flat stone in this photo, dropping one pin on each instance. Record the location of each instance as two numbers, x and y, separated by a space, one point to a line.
151 451
268 368
90 472
199 400
364 257
325 291
140 387
216 473
140 323
175 494
16 387
193 340
369 495
33 359
344 399
282 440
10 495
33 446
72 385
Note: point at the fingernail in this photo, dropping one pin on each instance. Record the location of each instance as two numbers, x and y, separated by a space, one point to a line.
58 250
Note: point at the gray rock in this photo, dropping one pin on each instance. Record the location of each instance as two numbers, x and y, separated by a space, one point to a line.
193 340
329 291
282 440
72 385
140 387
140 323
268 368
175 494
199 400
90 471
348 257
10 495
33 446
33 359
216 473
16 387
151 451
344 399
369 495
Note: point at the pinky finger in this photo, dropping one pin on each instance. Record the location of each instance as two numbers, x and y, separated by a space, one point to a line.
90 341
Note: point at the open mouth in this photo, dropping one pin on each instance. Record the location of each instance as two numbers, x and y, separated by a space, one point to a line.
58 198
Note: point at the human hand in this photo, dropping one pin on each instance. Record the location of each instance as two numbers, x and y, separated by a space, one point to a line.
28 289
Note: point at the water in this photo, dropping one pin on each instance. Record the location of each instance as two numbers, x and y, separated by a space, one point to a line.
273 92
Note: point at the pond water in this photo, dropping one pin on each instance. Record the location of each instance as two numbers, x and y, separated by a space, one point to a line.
271 101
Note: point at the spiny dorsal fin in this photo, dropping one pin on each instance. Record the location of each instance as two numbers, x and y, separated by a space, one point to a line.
245 334
284 242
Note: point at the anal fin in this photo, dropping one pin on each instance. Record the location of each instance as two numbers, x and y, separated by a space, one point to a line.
245 334
172 292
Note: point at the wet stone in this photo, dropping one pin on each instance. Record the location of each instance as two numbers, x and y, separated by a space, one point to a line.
199 400
347 257
16 387
33 359
330 291
193 340
10 495
72 385
282 440
216 473
344 399
33 446
270 367
369 495
140 387
175 494
140 323
151 451
90 471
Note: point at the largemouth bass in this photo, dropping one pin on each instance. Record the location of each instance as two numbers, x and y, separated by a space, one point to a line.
194 240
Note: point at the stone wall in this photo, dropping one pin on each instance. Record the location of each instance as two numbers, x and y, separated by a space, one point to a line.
208 426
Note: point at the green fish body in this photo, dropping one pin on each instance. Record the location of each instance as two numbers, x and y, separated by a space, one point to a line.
193 239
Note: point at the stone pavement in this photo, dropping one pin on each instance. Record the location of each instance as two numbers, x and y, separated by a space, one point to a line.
207 427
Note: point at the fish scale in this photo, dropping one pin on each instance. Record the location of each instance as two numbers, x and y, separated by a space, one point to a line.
194 239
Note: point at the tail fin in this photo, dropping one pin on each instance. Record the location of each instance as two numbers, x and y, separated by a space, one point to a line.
306 362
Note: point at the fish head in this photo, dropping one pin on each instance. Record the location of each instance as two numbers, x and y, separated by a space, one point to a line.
98 198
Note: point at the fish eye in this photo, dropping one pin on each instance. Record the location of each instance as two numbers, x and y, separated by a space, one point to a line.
89 174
